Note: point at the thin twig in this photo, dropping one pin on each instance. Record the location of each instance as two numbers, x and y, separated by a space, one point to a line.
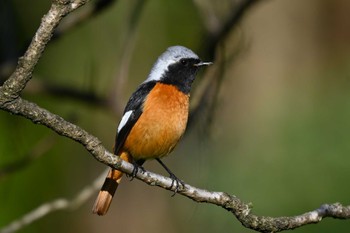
55 205
215 38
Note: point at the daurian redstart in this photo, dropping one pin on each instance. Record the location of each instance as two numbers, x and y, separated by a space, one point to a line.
155 117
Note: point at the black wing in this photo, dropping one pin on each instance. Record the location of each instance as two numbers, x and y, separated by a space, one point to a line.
135 104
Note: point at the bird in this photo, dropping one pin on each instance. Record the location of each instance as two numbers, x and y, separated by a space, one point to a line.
154 119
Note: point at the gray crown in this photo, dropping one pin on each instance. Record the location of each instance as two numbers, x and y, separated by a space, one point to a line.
170 56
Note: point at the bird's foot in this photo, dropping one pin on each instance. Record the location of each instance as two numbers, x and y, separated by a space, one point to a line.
176 183
136 169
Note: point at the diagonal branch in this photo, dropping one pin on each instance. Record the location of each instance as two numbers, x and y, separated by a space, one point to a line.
11 102
218 32
241 210
23 72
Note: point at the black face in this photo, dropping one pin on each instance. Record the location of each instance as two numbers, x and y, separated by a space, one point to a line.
182 74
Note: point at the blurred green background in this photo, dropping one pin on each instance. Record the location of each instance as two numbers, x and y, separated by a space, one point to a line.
280 133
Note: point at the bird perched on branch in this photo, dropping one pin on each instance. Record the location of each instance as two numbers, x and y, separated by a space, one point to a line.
154 119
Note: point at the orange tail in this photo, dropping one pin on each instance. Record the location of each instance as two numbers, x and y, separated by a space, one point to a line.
105 196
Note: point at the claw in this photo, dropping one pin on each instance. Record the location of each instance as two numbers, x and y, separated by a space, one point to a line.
176 182
136 170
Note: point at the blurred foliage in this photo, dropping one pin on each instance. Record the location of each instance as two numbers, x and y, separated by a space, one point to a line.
280 135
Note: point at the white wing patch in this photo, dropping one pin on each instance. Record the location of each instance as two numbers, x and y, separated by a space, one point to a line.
124 120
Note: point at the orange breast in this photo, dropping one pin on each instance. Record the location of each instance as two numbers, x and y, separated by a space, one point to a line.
161 124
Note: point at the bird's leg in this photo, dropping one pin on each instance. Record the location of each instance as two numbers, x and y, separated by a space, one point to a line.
175 181
137 165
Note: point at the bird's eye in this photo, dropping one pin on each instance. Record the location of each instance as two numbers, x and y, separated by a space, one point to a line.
184 62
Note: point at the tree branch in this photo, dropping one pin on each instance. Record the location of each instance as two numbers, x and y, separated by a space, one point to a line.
11 102
55 205
219 34
241 210
214 41
96 8
23 72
